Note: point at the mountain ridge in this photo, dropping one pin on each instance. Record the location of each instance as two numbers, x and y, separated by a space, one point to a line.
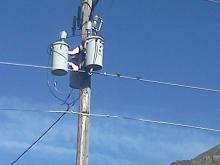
210 157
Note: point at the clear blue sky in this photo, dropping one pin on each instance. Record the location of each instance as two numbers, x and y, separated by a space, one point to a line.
167 40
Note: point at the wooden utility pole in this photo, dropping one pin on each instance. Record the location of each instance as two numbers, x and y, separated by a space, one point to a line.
85 96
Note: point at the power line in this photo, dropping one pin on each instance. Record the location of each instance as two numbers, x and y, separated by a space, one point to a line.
30 110
149 121
122 117
118 75
24 110
64 101
25 65
19 157
137 78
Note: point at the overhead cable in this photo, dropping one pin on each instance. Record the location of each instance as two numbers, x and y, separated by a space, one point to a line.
149 121
41 136
25 65
53 88
27 110
137 78
118 75
32 110
122 117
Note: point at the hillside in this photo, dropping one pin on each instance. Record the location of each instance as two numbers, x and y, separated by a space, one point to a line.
210 157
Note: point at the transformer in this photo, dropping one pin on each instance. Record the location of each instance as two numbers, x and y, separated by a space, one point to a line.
77 79
59 52
94 53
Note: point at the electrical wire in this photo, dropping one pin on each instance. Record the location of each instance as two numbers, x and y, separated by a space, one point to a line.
25 65
149 121
137 78
40 137
68 97
51 89
53 94
55 84
119 117
118 75
64 102
27 110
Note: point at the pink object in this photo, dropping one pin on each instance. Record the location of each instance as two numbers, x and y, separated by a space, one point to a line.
74 51
74 66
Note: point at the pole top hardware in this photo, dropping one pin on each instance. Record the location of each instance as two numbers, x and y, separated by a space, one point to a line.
94 25
63 35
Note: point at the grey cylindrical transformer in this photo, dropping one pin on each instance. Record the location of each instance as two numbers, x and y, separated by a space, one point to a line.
94 53
60 58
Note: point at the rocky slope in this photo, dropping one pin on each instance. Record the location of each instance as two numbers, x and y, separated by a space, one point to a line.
210 157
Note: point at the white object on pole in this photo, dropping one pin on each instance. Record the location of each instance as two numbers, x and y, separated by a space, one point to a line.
74 66
63 35
74 51
59 52
89 26
94 53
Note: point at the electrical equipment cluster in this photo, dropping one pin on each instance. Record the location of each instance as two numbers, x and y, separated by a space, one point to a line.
83 59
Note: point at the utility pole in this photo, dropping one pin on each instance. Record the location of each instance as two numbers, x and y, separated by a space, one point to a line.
85 96
87 57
